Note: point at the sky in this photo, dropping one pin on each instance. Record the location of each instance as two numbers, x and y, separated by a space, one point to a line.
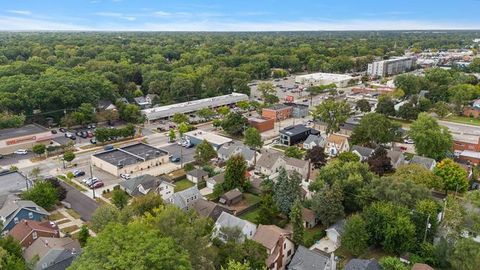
238 15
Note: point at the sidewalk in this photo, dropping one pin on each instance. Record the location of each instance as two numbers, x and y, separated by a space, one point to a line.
69 221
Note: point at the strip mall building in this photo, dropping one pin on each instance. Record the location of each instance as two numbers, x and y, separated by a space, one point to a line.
12 139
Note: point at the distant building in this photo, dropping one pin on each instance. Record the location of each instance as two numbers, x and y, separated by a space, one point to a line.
168 111
205 208
278 112
361 264
364 153
428 163
235 148
262 124
140 185
299 110
336 144
292 135
390 67
314 141
316 79
470 156
466 142
25 137
12 183
198 136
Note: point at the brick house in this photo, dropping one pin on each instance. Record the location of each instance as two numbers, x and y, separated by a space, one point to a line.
262 124
27 231
278 112
463 142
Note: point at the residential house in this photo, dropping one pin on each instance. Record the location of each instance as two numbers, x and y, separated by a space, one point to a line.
186 198
428 163
215 180
165 189
314 141
360 264
310 219
205 208
15 211
145 102
52 253
336 144
226 151
197 175
271 161
305 259
364 153
277 241
292 135
27 231
268 164
227 220
334 232
231 197
396 158
106 105
140 185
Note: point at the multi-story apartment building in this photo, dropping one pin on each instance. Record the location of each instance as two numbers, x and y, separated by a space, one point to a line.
390 67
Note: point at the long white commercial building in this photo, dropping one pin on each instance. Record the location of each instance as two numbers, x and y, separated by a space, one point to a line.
316 79
391 66
192 106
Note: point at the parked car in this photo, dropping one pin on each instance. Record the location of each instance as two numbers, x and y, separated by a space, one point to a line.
84 135
89 134
108 147
1 156
93 141
409 141
190 145
62 130
77 173
53 131
98 184
175 159
21 152
68 134
93 182
78 133
125 176
90 180
91 126
73 137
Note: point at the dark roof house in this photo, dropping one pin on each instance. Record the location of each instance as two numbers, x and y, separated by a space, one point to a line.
305 259
52 253
362 152
231 197
359 264
209 209
140 185
428 163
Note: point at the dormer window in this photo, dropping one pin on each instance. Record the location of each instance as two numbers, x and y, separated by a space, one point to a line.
30 215
15 220
34 235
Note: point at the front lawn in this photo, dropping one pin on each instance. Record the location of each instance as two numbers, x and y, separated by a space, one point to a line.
69 229
72 213
312 235
56 216
183 184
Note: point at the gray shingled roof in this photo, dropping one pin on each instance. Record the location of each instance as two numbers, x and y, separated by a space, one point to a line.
394 155
197 173
147 181
305 259
230 221
363 151
180 198
12 208
317 139
339 226
425 161
229 150
268 159
359 264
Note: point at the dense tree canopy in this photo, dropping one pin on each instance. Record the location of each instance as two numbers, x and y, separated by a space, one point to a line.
431 139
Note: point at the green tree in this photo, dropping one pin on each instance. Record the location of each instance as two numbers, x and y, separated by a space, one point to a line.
453 176
235 171
183 128
404 192
294 152
286 191
399 235
171 135
442 109
83 235
327 204
408 111
348 157
8 120
363 105
68 156
317 156
119 198
234 124
131 243
233 265
224 110
11 254
466 255
392 263
267 211
179 118
374 129
206 113
244 105
253 139
42 193
268 92
332 113
39 149
379 162
145 204
355 237
296 218
409 83
385 106
431 139
419 175
104 215
204 152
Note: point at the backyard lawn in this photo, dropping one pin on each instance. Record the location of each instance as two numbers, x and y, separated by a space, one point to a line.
463 120
251 215
182 185
313 235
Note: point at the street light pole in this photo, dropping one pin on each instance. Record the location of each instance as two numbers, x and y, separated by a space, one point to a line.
91 176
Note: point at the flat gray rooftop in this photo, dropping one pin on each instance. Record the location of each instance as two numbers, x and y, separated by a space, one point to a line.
131 154
12 182
26 130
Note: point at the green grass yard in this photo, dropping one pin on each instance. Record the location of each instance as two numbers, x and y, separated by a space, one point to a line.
462 120
251 215
182 185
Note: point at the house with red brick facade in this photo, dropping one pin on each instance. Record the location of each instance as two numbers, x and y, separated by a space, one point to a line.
27 231
278 112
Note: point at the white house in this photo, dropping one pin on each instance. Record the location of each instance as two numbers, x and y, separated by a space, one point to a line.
336 144
197 175
165 189
226 220
334 232
314 140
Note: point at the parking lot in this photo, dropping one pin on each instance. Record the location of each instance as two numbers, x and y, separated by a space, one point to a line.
180 151
11 159
105 177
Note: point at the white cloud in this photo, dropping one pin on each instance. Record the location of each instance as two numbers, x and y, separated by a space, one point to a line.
116 15
20 12
12 23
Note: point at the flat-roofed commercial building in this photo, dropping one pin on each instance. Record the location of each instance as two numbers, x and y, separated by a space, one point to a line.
198 136
391 66
262 124
316 79
278 112
167 111
12 139
130 159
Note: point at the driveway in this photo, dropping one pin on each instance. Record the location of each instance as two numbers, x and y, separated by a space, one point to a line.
82 204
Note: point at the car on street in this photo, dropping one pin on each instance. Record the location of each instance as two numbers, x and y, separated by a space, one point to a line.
68 134
77 173
175 159
125 176
21 152
98 184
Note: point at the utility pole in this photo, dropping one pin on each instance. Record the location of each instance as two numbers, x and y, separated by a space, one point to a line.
91 176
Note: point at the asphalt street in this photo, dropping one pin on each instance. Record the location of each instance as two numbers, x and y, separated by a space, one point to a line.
81 203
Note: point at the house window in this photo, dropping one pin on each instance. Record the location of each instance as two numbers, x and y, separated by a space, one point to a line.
34 234
15 220
289 253
284 245
30 215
